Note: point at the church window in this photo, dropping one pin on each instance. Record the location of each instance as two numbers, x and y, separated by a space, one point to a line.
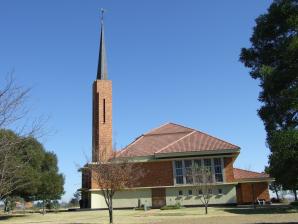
185 170
104 110
188 171
218 170
179 172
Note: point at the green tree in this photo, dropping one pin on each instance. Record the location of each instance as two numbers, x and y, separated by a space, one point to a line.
273 60
31 153
75 200
51 187
37 176
284 158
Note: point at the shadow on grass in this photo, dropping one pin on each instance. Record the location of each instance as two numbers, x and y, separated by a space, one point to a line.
6 217
276 223
266 210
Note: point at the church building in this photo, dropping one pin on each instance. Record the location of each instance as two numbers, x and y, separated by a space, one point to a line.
166 153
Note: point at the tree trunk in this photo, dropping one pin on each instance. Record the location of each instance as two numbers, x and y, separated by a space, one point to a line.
276 192
5 205
43 207
111 210
111 215
206 209
295 194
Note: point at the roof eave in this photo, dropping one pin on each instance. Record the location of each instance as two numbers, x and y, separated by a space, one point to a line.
197 153
254 180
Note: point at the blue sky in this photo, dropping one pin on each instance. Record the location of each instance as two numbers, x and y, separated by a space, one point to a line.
170 61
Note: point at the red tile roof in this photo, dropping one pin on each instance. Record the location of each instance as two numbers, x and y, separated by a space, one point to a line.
240 174
173 138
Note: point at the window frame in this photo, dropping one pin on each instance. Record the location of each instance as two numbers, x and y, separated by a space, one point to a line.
202 165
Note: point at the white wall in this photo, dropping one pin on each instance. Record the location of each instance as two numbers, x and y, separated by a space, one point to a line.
129 198
228 196
123 199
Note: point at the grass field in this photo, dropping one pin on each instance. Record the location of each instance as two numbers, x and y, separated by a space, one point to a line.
156 216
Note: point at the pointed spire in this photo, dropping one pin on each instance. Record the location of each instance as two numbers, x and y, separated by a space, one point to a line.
102 71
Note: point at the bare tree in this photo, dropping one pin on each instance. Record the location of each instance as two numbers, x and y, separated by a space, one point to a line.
12 113
114 174
203 182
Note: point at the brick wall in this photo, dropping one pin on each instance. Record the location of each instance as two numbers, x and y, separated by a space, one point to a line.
155 174
249 192
228 167
102 119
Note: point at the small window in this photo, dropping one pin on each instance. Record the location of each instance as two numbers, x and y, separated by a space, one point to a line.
200 192
209 191
189 192
180 193
220 191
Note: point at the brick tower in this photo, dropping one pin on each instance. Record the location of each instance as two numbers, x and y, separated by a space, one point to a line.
102 107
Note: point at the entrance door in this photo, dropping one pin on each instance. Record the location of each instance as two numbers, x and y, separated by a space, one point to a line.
158 197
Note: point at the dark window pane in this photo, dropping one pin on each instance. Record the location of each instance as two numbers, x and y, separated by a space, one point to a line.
189 179
217 161
218 178
178 164
179 172
187 163
179 179
207 162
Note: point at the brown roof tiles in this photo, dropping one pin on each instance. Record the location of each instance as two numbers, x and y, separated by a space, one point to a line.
173 138
240 174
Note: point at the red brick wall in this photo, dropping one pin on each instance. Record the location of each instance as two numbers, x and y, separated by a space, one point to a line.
155 174
102 129
228 167
249 192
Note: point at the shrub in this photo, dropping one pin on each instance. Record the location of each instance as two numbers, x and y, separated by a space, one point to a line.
169 207
294 203
275 200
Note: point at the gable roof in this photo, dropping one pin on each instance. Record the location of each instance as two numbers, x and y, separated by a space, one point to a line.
240 174
174 138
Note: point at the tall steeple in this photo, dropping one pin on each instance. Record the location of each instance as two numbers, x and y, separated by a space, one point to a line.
102 72
102 107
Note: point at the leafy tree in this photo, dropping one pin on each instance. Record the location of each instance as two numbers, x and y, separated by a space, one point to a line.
284 158
32 153
75 200
51 187
37 177
273 60
275 187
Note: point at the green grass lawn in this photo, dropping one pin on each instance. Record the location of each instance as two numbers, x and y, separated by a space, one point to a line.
155 216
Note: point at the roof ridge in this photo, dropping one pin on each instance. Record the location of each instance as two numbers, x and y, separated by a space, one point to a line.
175 141
218 138
153 129
183 126
248 170
169 133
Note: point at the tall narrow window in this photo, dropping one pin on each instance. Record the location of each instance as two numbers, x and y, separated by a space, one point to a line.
208 170
198 171
188 171
179 172
218 170
104 110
